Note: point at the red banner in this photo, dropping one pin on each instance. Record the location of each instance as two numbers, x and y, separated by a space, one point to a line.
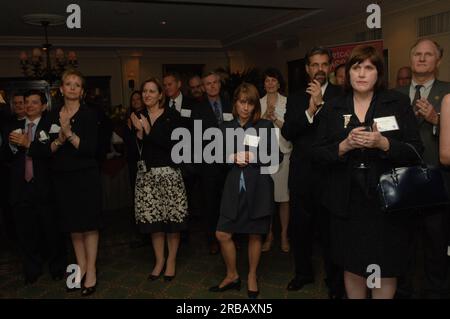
342 52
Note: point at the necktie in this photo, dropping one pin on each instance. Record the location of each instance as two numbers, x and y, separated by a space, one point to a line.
173 105
416 96
29 160
217 112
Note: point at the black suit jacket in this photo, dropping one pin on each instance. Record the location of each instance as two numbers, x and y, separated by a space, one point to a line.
259 187
204 113
331 132
41 164
429 138
301 133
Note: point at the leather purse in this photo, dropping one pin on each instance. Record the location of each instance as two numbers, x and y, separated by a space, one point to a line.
409 188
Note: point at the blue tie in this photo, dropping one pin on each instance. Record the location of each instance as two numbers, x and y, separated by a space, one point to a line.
217 112
242 182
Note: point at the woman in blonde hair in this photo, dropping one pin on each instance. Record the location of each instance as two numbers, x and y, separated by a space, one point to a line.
76 176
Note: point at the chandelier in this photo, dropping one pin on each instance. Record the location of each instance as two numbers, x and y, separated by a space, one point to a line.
39 64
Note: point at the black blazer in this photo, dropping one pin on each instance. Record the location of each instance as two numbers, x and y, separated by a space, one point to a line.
431 140
331 132
157 145
259 187
203 111
85 125
41 163
301 133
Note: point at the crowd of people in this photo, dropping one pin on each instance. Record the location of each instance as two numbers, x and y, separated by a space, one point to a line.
331 150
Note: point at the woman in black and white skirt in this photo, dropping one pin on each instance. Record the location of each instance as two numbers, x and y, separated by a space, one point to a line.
160 200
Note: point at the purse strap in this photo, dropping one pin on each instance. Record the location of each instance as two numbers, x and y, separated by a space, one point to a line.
422 162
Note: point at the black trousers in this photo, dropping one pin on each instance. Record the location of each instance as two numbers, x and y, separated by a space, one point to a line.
431 227
8 229
307 215
211 191
38 234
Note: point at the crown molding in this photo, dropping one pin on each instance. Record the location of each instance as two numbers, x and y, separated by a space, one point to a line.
89 42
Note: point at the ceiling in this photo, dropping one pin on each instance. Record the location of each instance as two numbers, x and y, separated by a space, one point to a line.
213 23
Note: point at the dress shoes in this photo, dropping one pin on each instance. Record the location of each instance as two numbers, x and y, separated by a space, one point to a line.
152 277
232 285
87 291
252 294
168 278
298 282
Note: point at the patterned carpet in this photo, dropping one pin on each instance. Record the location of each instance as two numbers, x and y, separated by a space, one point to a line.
123 271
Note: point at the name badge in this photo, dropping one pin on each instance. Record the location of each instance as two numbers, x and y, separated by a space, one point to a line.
227 116
387 123
55 129
141 167
185 113
251 140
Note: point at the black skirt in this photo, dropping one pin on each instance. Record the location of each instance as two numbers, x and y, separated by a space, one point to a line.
370 237
244 224
78 197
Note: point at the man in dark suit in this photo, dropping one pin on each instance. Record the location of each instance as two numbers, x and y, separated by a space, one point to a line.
184 104
175 98
36 224
212 112
300 124
426 93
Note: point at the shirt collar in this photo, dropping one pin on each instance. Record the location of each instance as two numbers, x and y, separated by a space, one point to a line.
428 84
178 100
324 87
35 121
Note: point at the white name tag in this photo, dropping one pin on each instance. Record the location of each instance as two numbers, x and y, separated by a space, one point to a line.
54 129
251 140
185 113
227 116
387 123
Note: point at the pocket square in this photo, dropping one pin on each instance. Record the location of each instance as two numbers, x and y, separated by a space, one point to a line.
43 137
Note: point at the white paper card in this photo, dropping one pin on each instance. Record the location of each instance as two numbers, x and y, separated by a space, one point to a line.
54 129
387 123
185 113
227 116
251 140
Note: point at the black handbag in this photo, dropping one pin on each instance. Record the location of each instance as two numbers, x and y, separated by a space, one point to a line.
408 188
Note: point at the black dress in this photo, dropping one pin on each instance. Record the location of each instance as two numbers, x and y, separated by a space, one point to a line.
248 210
361 234
76 177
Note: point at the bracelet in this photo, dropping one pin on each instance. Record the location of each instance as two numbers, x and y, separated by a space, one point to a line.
57 143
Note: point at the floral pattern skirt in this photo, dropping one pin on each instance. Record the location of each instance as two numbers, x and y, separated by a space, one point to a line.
160 201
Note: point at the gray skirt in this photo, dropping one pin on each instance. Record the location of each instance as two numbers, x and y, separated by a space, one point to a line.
160 201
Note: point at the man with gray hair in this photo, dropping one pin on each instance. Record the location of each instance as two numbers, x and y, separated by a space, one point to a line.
426 93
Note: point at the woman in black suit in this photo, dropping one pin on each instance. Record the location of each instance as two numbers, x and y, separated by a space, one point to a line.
360 136
76 176
247 200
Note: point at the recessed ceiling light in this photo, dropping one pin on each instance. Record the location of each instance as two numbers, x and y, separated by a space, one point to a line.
163 22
